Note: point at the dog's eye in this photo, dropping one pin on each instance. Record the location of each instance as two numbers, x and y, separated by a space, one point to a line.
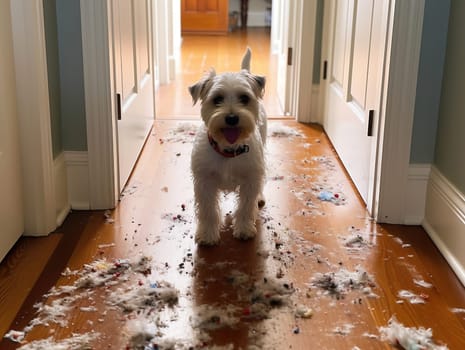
244 99
218 100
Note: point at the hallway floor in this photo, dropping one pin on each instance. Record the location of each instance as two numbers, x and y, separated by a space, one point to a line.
319 275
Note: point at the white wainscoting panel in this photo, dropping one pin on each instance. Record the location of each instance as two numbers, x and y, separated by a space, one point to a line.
445 220
61 188
77 172
417 183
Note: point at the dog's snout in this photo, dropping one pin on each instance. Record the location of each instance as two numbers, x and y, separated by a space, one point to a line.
231 119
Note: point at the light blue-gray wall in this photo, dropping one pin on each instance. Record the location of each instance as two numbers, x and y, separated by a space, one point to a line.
430 73
449 155
50 24
73 117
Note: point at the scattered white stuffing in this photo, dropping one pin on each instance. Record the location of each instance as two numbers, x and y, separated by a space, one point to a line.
137 297
279 130
209 317
88 308
411 297
184 132
16 336
140 332
422 283
106 245
409 338
344 330
369 335
75 342
458 310
303 311
339 283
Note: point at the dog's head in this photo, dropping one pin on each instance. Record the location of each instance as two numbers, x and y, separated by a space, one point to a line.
229 103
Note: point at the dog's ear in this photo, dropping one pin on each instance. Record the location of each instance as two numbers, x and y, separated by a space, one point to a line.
257 82
199 89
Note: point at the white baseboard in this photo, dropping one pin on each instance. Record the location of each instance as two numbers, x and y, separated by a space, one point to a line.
417 183
77 172
445 221
61 188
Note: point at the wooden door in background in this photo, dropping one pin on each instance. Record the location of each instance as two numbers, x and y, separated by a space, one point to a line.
204 16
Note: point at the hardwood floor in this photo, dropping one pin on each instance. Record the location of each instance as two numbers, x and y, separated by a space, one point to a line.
224 53
314 245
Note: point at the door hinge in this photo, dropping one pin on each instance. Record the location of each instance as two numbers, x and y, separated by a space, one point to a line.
289 56
118 106
325 69
370 122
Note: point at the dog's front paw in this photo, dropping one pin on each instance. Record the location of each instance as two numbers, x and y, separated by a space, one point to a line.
207 237
244 231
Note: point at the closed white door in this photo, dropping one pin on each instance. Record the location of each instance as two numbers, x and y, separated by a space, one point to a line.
357 39
283 12
132 24
11 208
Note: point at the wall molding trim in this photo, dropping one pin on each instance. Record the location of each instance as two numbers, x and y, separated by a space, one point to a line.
415 196
77 173
445 220
61 189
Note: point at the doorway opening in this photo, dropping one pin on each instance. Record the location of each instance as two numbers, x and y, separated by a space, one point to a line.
199 53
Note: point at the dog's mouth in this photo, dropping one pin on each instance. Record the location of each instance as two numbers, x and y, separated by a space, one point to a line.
231 134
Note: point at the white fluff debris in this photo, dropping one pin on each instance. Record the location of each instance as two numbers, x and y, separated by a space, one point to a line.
409 338
140 297
16 336
339 283
279 130
209 317
458 310
303 311
184 132
343 330
75 342
422 283
411 297
140 332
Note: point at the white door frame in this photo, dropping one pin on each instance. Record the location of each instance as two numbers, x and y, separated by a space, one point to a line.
33 109
394 125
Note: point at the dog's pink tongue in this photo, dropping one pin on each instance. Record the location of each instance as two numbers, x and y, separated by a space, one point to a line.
231 134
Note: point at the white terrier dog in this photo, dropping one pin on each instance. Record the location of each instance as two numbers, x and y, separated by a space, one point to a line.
228 152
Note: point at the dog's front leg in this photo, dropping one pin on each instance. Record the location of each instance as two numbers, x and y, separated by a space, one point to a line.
208 213
246 213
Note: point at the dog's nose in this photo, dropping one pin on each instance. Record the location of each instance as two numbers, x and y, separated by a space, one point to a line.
231 119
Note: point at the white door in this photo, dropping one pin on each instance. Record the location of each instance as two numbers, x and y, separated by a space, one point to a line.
11 208
283 10
357 37
132 24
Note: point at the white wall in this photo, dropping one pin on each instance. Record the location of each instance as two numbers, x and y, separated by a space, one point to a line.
256 13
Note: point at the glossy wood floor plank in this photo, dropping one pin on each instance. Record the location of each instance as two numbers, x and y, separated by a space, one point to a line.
19 272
